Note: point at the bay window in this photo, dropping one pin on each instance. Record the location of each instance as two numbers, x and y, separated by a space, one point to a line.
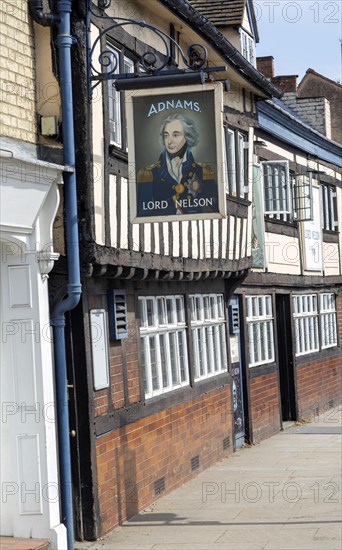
315 319
260 330
164 336
329 207
208 335
164 354
118 63
287 196
235 160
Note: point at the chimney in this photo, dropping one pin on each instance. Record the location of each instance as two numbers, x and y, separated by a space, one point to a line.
266 66
286 83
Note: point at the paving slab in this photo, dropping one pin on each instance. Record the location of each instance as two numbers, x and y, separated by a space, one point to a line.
282 494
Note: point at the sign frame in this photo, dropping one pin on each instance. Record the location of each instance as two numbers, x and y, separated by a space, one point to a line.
216 163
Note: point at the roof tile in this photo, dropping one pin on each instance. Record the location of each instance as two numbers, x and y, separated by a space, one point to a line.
221 13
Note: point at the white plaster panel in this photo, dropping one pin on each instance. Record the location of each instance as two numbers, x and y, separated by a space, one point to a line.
156 238
194 242
331 259
136 235
176 243
216 247
245 22
185 238
202 243
147 237
231 238
113 211
207 239
29 474
237 238
303 161
282 253
124 214
166 238
244 237
224 238
19 279
282 152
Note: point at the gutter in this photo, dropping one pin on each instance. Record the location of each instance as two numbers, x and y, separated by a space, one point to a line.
211 34
286 126
64 41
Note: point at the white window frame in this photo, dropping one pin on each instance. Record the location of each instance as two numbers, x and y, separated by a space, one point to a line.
163 323
235 164
115 114
260 329
277 196
247 46
328 319
306 315
209 335
302 197
329 207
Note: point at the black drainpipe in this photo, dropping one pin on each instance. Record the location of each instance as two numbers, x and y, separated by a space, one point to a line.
64 40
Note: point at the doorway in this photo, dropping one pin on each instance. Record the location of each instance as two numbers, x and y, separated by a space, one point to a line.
285 354
236 371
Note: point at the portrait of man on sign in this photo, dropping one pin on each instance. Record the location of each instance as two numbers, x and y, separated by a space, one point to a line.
176 183
173 148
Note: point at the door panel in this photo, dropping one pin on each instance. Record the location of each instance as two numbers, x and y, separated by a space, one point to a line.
285 354
236 371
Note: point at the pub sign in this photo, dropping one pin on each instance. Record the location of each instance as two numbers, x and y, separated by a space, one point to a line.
175 154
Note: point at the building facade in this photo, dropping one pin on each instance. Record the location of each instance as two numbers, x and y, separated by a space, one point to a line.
292 296
315 85
210 250
150 344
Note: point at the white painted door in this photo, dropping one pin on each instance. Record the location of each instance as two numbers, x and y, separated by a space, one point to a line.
25 497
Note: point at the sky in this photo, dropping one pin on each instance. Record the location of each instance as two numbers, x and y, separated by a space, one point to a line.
301 34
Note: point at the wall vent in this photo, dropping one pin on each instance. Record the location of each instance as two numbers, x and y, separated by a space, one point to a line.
117 314
195 462
159 486
233 312
226 443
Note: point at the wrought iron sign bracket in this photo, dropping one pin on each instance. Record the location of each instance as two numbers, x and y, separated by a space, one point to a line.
157 71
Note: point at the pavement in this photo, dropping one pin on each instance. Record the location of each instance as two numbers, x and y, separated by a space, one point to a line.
282 494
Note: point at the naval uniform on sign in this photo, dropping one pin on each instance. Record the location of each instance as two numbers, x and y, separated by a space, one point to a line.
176 186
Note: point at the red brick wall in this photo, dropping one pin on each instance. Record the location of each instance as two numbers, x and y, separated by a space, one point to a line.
319 382
123 357
264 401
319 385
132 458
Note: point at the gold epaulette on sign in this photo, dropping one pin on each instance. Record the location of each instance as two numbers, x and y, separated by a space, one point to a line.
144 175
208 172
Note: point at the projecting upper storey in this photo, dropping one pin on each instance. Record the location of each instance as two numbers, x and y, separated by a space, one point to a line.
131 220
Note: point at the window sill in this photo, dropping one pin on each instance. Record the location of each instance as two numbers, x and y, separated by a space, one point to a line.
318 355
239 200
115 151
237 206
281 228
262 370
330 236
